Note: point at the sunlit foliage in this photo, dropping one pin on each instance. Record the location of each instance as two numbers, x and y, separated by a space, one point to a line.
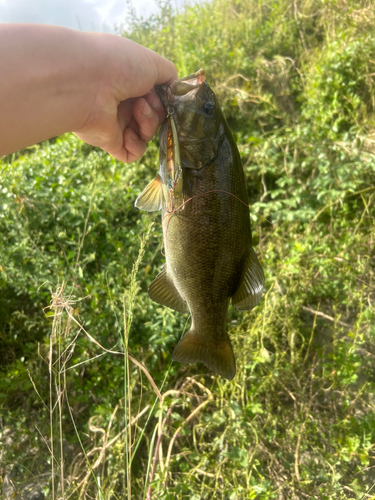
296 80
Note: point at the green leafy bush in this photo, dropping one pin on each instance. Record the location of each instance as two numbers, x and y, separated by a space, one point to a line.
296 82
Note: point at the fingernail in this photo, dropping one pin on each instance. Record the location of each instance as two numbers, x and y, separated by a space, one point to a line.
147 111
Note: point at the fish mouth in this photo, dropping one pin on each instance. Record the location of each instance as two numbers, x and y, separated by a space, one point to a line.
179 89
188 83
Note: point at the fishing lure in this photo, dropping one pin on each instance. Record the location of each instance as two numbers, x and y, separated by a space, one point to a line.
175 180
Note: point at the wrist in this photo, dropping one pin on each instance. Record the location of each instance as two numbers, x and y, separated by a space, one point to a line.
49 81
95 76
78 77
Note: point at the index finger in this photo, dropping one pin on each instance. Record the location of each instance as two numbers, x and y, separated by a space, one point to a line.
142 68
167 72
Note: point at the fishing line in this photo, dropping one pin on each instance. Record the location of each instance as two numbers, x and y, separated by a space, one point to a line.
178 209
177 160
169 213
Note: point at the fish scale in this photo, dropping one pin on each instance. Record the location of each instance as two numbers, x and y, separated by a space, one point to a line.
208 246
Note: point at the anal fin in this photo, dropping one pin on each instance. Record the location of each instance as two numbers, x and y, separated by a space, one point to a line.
163 291
250 290
151 198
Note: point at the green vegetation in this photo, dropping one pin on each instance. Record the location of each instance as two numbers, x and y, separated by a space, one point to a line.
296 81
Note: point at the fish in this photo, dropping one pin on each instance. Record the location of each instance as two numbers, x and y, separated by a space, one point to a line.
201 190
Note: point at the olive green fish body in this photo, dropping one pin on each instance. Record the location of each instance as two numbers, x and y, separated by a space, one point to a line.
207 238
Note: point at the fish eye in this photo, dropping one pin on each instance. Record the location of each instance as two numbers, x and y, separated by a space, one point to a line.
208 107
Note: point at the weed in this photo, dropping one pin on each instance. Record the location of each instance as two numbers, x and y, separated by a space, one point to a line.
296 82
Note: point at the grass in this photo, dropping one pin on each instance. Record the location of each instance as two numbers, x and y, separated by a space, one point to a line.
285 427
61 348
296 83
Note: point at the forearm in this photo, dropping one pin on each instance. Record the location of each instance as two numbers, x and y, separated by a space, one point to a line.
55 80
48 79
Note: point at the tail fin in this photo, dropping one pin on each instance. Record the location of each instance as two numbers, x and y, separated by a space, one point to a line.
217 355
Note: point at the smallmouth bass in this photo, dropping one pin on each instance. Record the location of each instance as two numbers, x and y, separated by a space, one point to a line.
201 191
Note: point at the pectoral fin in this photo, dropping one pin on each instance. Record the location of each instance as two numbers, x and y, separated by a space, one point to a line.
163 291
151 198
249 292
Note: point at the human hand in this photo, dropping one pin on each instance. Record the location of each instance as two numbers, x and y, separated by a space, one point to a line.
125 111
56 80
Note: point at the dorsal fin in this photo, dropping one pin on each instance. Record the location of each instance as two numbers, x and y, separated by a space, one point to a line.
250 289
